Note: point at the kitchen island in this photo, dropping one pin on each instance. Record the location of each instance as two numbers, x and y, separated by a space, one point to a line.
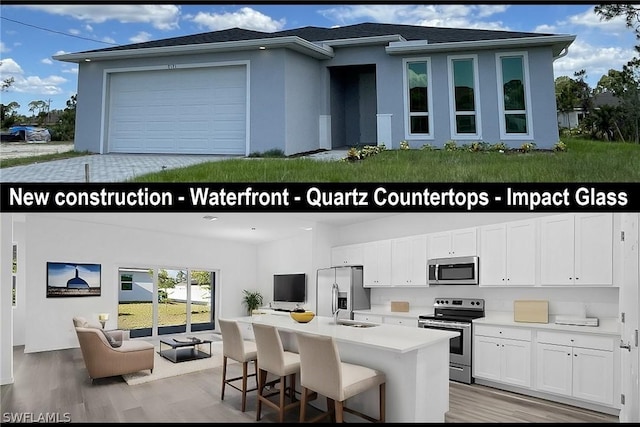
415 361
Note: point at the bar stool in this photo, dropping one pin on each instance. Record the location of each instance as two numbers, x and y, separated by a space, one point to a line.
322 371
236 348
272 358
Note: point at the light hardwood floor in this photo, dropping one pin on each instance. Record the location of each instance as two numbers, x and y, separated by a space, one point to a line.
56 382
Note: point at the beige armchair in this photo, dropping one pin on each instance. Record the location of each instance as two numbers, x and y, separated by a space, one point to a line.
104 360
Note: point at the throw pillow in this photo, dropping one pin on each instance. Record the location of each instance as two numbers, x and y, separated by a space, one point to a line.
111 340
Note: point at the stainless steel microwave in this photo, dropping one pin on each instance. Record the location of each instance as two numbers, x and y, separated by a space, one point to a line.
453 271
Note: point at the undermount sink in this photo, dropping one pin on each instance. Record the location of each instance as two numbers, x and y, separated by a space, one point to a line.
356 324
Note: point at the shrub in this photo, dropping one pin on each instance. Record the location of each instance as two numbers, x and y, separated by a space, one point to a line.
478 146
527 147
560 147
353 154
427 147
404 145
450 145
499 146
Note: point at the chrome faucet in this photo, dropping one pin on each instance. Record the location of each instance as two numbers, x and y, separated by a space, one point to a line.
335 307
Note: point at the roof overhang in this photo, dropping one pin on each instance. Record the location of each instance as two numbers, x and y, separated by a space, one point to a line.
291 42
363 41
558 43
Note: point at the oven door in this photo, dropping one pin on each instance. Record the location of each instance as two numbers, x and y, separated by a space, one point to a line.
460 346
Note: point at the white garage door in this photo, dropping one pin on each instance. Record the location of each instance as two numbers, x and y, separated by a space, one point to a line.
187 111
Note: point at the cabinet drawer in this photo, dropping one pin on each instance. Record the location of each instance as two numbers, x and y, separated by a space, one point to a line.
404 321
576 340
367 317
503 332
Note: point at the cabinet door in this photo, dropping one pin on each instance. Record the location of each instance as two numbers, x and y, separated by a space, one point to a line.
440 245
593 375
354 254
486 357
338 256
377 263
400 261
521 253
464 242
557 250
493 255
418 265
516 362
594 249
554 368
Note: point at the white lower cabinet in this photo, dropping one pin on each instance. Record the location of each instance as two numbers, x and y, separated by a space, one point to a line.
575 365
402 321
502 354
373 318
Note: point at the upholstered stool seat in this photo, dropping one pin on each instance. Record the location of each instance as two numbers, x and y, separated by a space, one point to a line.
273 359
322 371
243 351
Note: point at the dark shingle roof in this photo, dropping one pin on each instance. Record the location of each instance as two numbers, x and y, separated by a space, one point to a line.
316 34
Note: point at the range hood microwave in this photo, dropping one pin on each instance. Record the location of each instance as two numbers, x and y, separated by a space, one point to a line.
453 271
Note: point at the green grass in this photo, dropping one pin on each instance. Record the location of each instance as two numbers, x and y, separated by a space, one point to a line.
584 161
139 315
20 161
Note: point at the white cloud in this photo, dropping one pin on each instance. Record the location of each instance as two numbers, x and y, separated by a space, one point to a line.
460 15
245 17
74 32
142 36
60 52
589 19
88 28
160 16
30 84
73 70
46 61
596 60
4 48
9 68
109 40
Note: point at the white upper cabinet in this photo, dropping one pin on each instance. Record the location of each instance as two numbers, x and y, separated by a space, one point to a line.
508 254
409 261
377 263
346 255
453 243
576 249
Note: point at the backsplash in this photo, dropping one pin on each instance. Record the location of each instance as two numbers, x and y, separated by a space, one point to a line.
594 302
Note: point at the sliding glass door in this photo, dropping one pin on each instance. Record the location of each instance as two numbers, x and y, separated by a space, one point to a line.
159 301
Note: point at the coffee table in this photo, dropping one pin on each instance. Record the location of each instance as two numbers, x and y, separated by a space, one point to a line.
183 349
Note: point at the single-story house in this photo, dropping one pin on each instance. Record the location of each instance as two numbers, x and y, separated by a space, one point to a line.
238 91
572 119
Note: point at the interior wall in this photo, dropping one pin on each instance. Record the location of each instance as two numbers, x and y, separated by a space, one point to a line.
291 255
6 314
49 325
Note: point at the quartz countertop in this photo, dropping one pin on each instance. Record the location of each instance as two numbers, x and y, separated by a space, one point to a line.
390 337
606 325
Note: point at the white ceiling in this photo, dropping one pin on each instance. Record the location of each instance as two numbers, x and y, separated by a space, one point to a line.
245 227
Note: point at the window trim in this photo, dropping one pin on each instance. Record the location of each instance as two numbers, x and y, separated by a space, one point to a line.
476 98
527 97
405 89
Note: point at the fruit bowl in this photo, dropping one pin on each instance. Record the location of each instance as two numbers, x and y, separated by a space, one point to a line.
302 317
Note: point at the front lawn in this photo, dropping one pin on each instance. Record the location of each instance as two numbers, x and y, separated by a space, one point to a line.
139 315
584 161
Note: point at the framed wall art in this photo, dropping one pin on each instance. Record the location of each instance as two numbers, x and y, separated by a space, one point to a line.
68 279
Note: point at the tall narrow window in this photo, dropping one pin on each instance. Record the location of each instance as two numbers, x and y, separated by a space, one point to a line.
465 113
418 98
514 94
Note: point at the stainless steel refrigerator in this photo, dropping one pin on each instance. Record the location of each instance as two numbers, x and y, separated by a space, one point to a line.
341 287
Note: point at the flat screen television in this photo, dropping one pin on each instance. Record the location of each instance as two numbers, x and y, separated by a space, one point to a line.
290 287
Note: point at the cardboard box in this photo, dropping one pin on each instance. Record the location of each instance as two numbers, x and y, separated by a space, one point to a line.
531 311
402 306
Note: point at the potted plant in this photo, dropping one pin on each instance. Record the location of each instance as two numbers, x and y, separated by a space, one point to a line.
252 300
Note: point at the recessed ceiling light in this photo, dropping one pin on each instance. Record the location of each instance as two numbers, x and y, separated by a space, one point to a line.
210 217
307 228
262 48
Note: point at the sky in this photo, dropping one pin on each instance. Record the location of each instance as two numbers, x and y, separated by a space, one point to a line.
31 34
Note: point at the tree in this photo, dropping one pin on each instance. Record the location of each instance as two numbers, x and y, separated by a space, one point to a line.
40 106
8 110
164 282
6 84
629 11
64 129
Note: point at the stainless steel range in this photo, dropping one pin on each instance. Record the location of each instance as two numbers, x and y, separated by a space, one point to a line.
456 314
